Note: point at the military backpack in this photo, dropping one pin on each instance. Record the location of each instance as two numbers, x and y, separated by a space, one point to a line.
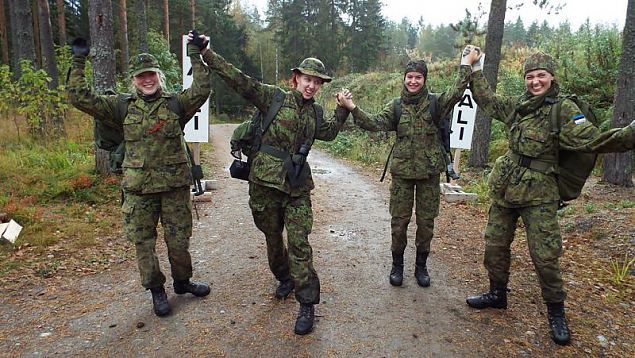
573 168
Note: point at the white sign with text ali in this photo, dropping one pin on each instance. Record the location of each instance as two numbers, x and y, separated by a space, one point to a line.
463 119
197 129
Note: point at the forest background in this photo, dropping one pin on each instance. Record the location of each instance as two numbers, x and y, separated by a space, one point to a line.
56 184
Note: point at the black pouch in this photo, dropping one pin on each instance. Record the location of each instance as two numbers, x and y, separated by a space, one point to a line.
239 170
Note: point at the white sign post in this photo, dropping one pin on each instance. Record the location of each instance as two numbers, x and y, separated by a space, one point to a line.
463 120
197 129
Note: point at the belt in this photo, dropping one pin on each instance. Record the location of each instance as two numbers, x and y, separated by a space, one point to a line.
539 165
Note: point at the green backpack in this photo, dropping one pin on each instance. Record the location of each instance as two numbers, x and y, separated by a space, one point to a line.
574 168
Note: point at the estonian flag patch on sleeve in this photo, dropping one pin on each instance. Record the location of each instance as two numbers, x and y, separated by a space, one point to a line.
579 118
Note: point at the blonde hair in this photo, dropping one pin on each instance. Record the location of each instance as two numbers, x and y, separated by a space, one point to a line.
133 88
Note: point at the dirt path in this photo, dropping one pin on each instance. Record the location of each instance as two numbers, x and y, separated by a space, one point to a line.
109 314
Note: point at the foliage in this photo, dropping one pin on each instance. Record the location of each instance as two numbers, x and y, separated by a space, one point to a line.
169 64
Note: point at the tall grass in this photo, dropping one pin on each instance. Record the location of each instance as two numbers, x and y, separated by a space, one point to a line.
50 187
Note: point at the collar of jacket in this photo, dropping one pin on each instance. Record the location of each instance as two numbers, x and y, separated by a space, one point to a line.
301 101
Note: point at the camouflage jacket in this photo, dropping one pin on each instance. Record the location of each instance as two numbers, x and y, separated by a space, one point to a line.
294 125
418 152
155 158
512 185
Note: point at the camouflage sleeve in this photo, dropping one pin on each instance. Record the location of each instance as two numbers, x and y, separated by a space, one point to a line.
448 99
495 106
193 98
383 121
330 128
579 134
259 94
82 96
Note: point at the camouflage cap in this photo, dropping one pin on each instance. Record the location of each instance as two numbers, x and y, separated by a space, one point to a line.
417 66
143 62
313 67
540 60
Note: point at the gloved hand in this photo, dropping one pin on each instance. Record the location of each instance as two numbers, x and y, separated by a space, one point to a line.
466 59
80 47
478 65
196 43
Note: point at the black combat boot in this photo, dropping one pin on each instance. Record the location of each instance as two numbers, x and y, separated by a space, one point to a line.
558 323
304 322
396 274
284 289
198 289
495 298
421 269
160 301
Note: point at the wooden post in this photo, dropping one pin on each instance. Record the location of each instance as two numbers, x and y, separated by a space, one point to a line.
457 159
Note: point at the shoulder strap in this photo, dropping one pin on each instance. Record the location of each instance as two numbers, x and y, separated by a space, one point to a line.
319 116
121 110
396 108
434 111
175 106
274 107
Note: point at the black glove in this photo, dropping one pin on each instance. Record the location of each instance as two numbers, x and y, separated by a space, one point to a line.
80 47
197 41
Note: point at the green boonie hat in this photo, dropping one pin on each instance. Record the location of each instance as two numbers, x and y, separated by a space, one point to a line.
313 67
143 62
540 60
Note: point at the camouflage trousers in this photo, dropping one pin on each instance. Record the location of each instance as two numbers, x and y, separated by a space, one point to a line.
141 214
424 193
274 210
543 239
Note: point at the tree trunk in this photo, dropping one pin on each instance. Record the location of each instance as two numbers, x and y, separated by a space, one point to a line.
101 34
166 21
36 35
61 22
142 25
53 125
193 12
618 167
22 30
46 41
493 44
123 35
4 39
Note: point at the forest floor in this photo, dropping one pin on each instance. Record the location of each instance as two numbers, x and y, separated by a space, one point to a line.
73 306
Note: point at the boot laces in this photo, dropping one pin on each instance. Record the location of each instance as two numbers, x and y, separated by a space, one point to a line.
306 311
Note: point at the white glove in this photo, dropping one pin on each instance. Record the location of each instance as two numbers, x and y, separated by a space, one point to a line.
478 65
464 55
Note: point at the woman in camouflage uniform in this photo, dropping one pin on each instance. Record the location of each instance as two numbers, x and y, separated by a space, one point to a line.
417 159
523 182
275 202
156 175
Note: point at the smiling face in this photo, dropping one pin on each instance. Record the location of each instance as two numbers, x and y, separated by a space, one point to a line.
307 85
147 82
538 81
414 81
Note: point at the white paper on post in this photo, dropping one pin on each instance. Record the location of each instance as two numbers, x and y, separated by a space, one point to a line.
197 129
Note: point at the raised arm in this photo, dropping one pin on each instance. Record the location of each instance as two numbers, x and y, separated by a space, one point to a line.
81 95
193 98
383 121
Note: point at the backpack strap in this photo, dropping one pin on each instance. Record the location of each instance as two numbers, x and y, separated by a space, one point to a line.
319 116
396 113
272 111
